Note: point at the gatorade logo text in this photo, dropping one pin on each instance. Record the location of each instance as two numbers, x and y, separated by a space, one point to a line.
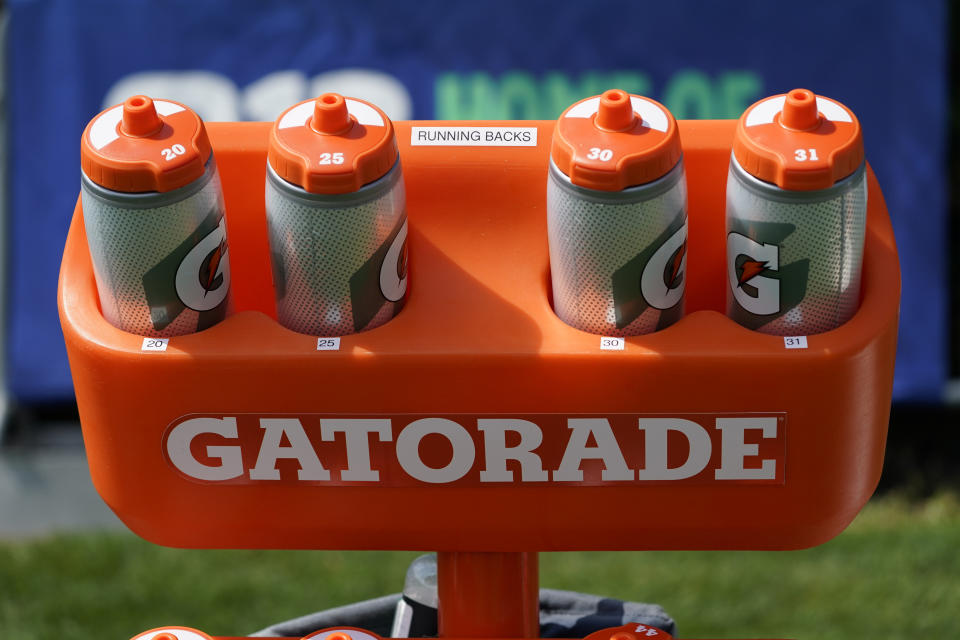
747 262
195 275
412 450
393 271
382 279
662 279
654 278
203 278
762 288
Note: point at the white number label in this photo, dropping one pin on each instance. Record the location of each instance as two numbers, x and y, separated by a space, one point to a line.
795 342
608 343
154 344
172 152
331 158
328 344
647 631
596 153
802 155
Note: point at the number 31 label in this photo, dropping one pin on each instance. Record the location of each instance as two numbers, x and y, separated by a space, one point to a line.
795 342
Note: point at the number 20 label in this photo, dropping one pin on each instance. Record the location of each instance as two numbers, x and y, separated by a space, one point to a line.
154 344
172 152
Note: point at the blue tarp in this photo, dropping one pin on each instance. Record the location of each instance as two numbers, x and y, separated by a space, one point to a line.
885 59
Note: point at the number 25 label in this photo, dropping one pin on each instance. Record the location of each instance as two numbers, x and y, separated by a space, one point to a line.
331 158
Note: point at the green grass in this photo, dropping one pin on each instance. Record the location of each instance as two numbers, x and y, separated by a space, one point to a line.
895 573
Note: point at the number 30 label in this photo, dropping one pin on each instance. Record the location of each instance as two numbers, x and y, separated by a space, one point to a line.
611 343
596 153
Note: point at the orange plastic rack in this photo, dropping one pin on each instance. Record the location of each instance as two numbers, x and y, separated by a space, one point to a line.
478 339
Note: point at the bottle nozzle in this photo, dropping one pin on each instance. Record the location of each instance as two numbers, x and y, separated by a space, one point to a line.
800 110
330 114
615 112
140 118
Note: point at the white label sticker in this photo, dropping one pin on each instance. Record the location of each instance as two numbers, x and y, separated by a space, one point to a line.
154 344
473 136
609 343
328 344
795 342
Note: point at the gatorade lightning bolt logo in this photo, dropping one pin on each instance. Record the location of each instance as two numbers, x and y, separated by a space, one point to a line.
654 278
748 269
763 289
382 279
195 275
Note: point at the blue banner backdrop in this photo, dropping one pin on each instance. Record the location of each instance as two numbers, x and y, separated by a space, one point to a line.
503 59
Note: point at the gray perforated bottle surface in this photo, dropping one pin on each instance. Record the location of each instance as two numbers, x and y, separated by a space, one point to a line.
617 260
794 260
153 263
337 269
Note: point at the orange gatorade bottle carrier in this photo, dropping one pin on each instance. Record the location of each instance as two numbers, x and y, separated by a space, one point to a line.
476 421
796 215
155 218
336 217
617 216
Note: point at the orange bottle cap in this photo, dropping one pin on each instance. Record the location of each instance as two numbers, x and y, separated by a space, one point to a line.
172 633
615 140
799 141
145 145
332 144
632 631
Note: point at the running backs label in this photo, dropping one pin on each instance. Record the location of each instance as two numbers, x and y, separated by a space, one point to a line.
473 136
479 450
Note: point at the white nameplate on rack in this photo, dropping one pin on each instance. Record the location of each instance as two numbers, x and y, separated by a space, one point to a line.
328 344
612 343
154 344
795 342
473 136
